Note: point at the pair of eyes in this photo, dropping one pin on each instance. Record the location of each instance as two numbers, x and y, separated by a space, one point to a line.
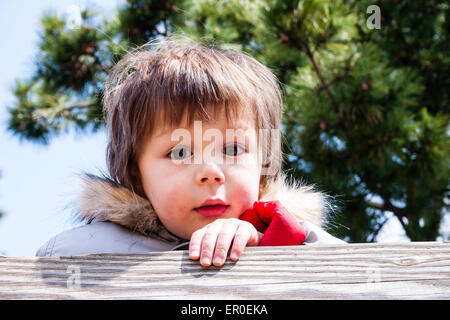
180 153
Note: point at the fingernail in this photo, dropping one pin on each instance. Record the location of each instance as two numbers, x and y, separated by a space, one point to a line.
233 256
217 261
205 261
193 254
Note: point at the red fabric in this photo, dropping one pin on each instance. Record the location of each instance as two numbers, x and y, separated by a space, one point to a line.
280 227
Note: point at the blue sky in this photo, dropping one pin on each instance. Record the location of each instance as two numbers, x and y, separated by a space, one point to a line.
38 182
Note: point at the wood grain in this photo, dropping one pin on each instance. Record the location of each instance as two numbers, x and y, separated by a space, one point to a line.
416 270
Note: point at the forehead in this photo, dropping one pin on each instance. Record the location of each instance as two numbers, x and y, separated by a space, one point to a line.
219 121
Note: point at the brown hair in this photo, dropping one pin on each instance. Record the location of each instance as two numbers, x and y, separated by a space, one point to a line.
172 76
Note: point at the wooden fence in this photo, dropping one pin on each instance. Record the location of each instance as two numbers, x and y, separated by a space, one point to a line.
417 270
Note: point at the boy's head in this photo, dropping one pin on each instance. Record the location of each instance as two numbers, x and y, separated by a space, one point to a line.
169 112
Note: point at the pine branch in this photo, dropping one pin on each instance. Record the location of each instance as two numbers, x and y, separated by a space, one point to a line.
70 108
310 56
380 226
305 48
78 106
398 212
375 205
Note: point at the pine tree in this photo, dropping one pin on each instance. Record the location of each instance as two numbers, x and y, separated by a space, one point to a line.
366 116
366 110
72 64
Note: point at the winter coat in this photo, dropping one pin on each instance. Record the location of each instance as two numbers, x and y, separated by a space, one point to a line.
120 221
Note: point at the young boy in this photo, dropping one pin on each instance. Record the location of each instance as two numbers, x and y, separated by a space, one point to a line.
194 154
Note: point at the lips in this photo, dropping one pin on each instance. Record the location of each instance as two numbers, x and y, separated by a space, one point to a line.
212 208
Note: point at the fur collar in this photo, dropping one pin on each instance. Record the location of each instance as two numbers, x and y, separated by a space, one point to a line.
102 199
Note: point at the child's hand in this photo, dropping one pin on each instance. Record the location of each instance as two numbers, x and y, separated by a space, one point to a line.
215 239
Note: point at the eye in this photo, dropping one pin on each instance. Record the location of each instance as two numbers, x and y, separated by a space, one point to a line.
232 150
179 153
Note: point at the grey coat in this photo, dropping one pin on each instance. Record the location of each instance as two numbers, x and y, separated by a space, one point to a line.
120 221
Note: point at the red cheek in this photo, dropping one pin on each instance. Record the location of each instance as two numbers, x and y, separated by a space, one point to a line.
175 194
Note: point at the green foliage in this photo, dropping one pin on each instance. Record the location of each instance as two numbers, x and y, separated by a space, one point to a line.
140 21
72 64
366 111
66 87
67 59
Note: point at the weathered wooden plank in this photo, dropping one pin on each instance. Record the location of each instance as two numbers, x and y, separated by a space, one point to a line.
417 270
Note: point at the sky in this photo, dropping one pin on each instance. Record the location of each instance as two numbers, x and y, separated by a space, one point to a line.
38 182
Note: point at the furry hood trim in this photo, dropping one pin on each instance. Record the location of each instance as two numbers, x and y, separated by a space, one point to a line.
102 199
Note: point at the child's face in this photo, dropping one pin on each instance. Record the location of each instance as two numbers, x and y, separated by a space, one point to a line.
198 169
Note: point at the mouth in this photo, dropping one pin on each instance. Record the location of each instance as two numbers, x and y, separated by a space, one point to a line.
212 210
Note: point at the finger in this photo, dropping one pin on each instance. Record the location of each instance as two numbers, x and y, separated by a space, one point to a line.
195 243
223 243
209 243
241 238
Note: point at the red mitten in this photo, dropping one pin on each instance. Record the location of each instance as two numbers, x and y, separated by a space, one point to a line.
280 227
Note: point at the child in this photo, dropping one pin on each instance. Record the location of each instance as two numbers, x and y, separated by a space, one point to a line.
167 186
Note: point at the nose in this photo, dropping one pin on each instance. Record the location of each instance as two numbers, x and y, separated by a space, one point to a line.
210 173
